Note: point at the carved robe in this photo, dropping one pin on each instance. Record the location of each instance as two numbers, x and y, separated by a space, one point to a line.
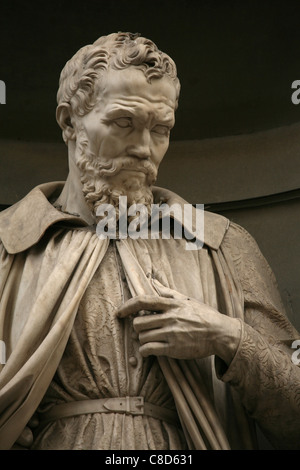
59 287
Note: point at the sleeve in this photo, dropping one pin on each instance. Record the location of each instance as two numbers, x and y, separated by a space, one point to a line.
264 371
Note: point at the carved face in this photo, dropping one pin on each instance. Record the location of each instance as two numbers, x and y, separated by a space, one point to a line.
131 120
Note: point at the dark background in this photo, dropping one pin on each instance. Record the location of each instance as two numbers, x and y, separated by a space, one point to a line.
236 59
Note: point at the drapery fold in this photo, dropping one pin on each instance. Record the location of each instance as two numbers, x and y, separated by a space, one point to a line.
39 348
199 420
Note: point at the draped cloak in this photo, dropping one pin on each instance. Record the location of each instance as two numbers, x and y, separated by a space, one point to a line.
47 261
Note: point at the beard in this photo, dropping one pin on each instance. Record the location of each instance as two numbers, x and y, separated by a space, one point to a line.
98 184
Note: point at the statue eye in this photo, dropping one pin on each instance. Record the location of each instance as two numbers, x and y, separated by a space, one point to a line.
161 130
123 122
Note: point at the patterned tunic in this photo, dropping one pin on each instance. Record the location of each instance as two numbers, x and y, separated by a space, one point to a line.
102 360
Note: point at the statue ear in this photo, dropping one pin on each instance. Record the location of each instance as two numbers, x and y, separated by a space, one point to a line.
63 117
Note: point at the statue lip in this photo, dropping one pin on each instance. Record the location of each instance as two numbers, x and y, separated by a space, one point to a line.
137 170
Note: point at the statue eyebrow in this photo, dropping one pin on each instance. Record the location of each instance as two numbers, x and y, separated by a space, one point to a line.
124 112
120 112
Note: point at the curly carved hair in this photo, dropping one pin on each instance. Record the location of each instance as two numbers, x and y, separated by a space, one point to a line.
118 51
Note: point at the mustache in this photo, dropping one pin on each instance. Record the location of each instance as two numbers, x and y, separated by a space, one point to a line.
118 164
128 163
113 166
89 163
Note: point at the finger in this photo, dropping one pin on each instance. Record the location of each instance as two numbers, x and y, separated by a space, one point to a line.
145 302
153 336
150 322
154 349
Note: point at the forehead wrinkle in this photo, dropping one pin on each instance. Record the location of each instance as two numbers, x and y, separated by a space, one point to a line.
140 109
128 90
141 100
132 83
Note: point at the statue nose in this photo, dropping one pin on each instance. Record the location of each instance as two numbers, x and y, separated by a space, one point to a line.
140 147
142 152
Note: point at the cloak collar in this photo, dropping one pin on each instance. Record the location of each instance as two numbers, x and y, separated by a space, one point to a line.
24 224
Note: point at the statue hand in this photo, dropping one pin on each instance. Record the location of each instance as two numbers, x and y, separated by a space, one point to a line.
182 328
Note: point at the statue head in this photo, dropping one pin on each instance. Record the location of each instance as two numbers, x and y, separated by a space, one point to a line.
116 103
81 74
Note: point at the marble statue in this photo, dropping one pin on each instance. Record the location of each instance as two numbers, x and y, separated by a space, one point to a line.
132 342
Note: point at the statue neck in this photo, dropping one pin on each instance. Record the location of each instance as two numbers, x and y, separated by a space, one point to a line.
71 199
